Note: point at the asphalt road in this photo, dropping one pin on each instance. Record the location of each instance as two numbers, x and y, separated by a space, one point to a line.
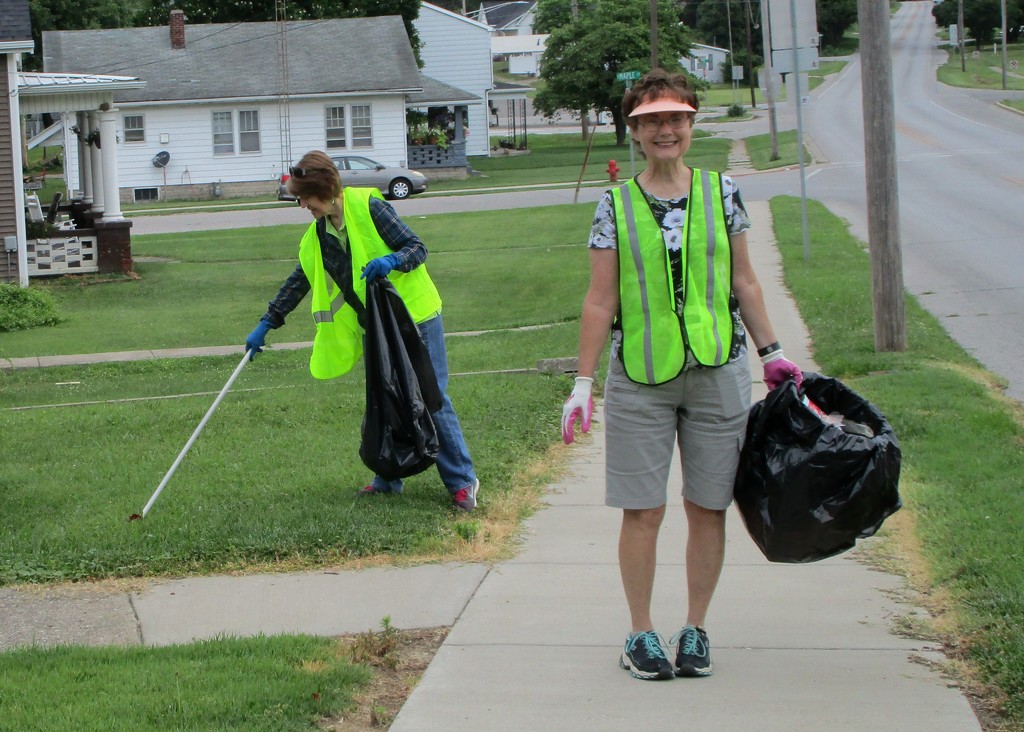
961 184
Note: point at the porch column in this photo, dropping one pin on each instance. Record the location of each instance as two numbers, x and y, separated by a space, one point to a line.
459 125
84 159
97 168
108 156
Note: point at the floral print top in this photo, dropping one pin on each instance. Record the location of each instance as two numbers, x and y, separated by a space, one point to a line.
671 216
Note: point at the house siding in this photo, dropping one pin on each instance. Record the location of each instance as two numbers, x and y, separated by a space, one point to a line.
8 175
457 51
193 167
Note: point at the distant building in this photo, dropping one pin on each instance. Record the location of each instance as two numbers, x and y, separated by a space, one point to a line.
706 62
506 18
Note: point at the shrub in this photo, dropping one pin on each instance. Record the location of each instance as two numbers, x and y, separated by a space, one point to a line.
736 110
25 307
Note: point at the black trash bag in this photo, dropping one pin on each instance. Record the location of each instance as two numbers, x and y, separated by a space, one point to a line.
399 438
807 488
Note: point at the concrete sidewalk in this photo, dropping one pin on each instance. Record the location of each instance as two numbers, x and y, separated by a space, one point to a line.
536 639
795 647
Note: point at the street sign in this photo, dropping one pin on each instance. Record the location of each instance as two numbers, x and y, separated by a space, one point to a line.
627 76
806 60
780 24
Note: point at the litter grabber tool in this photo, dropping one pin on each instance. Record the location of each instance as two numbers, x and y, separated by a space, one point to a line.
192 439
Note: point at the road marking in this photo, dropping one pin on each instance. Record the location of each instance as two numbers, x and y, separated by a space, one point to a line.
963 119
919 136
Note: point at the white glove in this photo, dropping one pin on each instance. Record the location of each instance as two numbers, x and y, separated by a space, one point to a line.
580 404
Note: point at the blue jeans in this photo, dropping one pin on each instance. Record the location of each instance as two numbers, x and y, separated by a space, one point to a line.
453 461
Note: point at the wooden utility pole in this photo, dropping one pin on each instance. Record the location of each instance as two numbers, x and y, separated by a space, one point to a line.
750 59
960 33
654 34
773 127
584 113
732 55
880 176
1002 10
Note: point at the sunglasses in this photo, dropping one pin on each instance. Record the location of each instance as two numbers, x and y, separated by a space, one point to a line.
296 172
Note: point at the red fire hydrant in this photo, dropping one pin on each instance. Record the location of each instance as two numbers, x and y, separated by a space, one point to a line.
613 171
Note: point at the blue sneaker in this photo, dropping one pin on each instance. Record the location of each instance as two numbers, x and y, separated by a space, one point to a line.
693 653
644 657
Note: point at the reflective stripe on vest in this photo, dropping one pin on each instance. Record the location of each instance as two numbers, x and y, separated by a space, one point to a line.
653 346
338 343
708 275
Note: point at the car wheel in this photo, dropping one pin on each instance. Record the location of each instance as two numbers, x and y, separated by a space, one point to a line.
400 188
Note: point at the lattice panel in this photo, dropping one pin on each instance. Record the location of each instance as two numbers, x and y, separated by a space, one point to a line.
61 255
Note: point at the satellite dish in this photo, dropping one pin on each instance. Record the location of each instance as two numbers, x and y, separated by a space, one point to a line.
161 159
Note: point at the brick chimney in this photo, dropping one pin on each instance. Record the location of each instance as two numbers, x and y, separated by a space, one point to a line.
177 28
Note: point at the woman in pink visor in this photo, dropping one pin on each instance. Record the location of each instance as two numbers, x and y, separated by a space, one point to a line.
671 281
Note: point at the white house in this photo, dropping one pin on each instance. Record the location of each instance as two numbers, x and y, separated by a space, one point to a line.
456 50
227 107
522 52
15 39
706 62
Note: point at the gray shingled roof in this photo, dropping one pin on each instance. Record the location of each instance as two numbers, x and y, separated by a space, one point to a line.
228 60
503 13
437 92
15 21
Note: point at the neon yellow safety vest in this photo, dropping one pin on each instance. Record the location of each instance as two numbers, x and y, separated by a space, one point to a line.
338 343
654 340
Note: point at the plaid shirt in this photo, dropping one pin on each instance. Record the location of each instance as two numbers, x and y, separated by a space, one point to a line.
408 247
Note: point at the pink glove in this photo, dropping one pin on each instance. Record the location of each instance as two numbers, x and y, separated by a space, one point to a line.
777 369
580 404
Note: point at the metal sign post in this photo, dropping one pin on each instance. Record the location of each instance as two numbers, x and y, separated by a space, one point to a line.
629 77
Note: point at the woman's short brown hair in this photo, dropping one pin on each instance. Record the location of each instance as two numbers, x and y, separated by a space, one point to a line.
655 84
315 176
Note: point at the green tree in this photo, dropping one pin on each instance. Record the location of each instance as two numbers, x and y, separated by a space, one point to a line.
585 53
983 18
48 15
711 20
834 18
155 12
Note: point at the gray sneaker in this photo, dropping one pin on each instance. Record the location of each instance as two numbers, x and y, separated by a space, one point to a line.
693 654
644 657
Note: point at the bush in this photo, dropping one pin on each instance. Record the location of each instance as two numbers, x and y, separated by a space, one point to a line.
736 110
22 308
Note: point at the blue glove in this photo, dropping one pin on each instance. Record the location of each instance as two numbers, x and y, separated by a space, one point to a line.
379 267
256 340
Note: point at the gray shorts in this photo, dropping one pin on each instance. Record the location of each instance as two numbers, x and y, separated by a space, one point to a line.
704 411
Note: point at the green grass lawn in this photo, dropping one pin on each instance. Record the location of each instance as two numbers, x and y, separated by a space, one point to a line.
559 159
759 148
985 70
962 442
245 684
238 499
238 503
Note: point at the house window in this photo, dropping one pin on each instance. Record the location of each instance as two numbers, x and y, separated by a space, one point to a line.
134 128
146 194
362 127
223 133
249 131
334 122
